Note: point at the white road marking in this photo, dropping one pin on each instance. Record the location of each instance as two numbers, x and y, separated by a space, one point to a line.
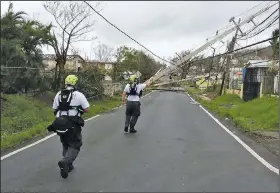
49 136
249 149
92 118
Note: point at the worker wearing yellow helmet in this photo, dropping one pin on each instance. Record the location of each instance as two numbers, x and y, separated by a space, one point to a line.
131 93
69 104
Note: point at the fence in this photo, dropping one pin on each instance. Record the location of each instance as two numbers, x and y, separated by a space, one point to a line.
268 85
235 84
276 80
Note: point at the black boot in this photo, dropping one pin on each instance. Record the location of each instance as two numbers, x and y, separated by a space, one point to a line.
71 167
64 167
132 130
126 129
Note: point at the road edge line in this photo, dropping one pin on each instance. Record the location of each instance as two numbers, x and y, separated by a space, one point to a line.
50 136
247 147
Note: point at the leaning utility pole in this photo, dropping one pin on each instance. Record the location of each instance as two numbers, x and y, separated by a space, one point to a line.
208 44
211 66
225 81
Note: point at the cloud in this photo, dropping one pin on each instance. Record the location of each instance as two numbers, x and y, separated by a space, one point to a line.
165 27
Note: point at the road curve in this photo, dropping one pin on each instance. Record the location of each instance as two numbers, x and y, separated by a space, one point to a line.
178 148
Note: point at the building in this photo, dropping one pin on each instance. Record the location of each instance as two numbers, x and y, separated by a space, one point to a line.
108 66
73 62
257 80
101 64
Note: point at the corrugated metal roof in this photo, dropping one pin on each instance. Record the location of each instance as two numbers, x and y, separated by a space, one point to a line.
259 64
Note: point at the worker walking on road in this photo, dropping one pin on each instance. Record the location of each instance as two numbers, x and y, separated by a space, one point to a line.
133 92
69 104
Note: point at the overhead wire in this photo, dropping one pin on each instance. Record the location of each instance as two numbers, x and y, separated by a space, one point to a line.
127 34
262 22
252 8
156 54
238 49
230 25
272 23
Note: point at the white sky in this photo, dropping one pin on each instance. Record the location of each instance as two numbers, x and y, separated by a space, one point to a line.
165 27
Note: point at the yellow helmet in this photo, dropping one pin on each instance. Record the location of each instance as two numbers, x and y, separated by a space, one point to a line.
133 78
71 80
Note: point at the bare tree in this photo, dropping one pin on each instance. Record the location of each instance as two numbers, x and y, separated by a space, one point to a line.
73 24
103 52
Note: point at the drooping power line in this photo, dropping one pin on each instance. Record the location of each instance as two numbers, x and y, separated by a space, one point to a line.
127 34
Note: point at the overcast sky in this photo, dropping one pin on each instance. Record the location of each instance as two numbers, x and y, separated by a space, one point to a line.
164 27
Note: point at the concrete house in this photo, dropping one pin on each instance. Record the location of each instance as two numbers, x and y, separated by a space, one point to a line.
104 65
73 62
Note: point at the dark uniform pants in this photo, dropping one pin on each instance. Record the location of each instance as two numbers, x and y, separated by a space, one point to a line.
132 113
71 146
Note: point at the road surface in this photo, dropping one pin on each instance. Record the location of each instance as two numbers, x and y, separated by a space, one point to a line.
178 148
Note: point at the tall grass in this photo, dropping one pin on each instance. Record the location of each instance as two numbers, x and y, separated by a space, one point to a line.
260 114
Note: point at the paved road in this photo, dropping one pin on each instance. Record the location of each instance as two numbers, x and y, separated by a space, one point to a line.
178 148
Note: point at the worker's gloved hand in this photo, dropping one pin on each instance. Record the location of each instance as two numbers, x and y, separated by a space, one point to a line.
55 111
81 110
50 128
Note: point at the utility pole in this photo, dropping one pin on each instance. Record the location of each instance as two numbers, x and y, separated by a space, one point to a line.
225 81
214 50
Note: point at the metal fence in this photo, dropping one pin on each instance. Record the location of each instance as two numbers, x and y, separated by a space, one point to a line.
236 83
268 85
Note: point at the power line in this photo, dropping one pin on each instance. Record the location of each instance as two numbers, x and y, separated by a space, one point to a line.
230 52
126 34
13 67
245 54
263 29
255 27
243 14
251 8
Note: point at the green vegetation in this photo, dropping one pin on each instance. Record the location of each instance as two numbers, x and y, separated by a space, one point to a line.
23 118
131 59
192 90
257 115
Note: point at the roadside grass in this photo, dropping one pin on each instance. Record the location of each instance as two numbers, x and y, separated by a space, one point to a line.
260 114
23 117
193 90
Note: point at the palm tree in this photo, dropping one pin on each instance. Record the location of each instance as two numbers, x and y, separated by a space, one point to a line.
21 41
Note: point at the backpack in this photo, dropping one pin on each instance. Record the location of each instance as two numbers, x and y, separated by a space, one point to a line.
64 124
133 90
64 100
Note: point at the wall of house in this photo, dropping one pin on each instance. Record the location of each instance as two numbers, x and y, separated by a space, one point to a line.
108 78
111 88
70 64
108 66
50 64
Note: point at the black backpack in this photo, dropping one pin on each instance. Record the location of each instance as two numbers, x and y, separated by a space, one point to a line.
64 100
65 125
133 90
